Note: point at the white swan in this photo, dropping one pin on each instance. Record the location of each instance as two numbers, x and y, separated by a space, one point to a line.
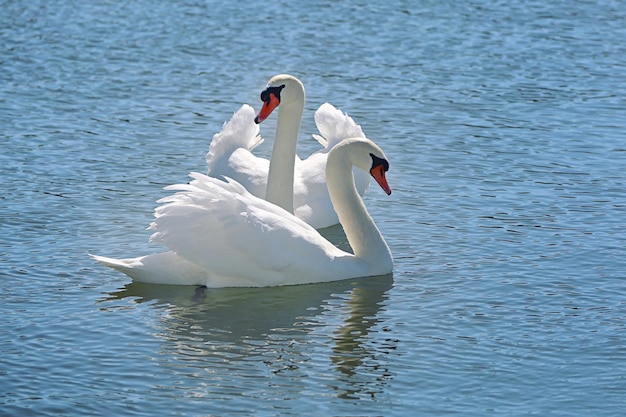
220 235
299 186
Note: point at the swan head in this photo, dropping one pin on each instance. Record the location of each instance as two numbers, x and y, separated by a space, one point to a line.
281 89
378 171
366 155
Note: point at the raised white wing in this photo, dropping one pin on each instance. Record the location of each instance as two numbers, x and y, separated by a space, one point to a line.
230 152
239 132
221 227
334 126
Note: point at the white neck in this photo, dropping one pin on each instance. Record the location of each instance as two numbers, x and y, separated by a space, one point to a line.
280 177
364 237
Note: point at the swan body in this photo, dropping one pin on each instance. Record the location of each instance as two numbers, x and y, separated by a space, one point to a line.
298 186
221 235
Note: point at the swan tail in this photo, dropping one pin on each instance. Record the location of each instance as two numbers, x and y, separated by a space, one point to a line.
239 132
122 265
158 268
334 126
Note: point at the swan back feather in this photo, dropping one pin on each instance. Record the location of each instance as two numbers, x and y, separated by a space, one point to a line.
334 126
219 226
239 132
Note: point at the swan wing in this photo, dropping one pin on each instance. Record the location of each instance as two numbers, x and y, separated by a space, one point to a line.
230 152
311 199
221 227
334 126
239 132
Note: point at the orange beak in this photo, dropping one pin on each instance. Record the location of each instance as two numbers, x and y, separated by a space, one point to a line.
378 173
267 109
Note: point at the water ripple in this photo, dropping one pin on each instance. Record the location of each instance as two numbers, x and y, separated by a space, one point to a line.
504 128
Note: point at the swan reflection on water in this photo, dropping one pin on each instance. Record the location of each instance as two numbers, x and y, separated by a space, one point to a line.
283 330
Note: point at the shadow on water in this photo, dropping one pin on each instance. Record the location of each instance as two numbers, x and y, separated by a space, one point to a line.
280 328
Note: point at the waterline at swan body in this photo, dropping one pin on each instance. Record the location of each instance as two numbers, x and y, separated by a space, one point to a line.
220 235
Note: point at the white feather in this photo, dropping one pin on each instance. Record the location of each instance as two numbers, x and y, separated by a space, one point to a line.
220 235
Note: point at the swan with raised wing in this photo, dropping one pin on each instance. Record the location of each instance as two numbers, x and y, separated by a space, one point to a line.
298 186
220 235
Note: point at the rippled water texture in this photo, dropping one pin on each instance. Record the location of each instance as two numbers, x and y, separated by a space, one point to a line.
504 123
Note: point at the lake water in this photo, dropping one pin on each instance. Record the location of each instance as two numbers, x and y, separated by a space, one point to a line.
505 126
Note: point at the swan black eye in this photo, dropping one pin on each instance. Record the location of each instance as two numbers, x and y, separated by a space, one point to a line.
376 161
265 94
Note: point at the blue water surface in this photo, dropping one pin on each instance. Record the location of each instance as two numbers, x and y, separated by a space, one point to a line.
505 126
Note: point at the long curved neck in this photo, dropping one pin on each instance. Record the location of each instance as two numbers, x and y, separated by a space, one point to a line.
280 177
364 237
